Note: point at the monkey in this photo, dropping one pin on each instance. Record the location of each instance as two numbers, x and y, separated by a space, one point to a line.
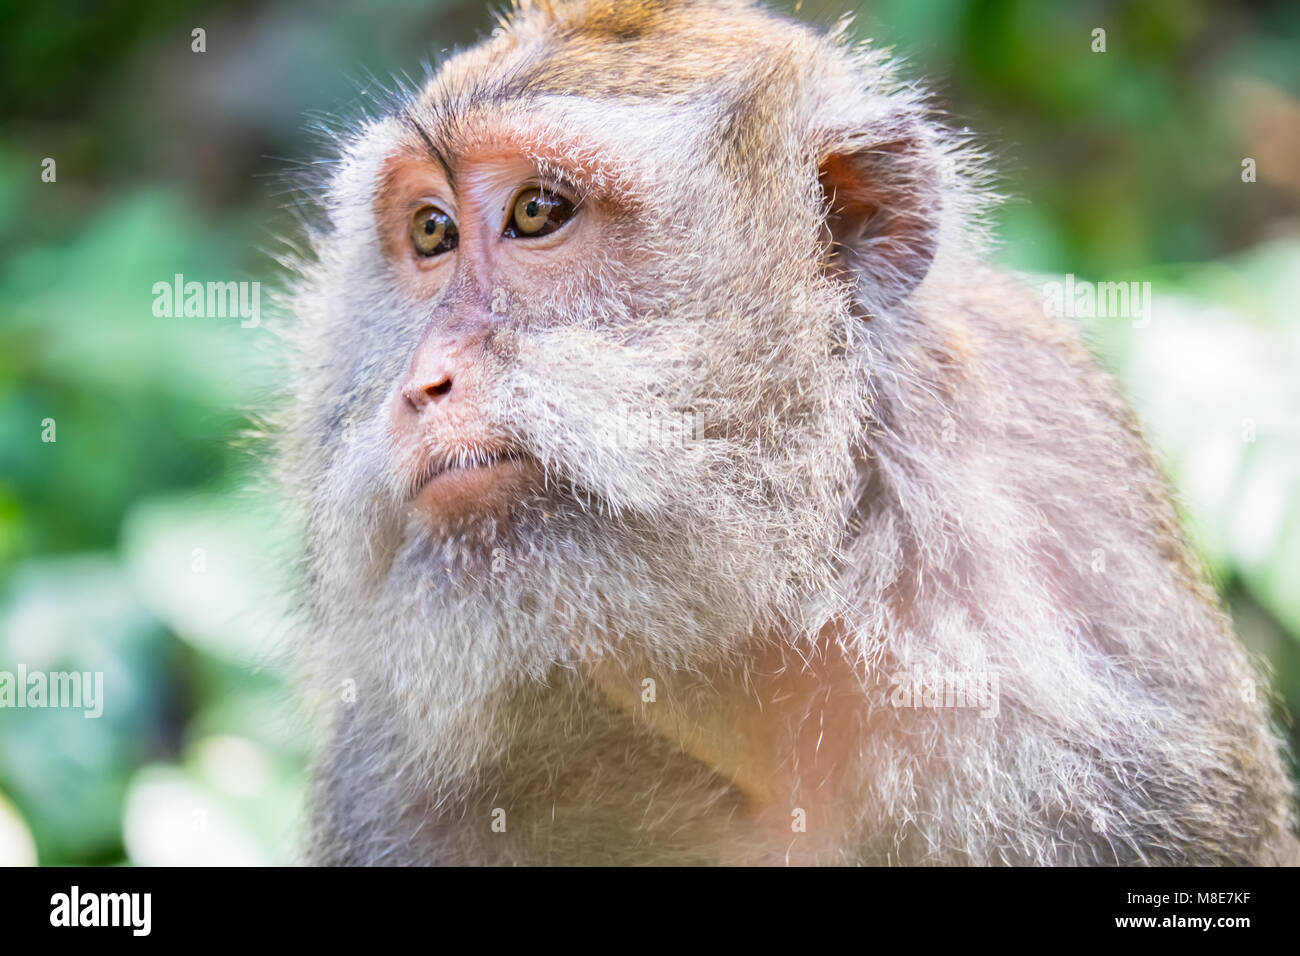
681 484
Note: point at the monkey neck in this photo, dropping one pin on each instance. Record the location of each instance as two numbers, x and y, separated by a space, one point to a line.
784 729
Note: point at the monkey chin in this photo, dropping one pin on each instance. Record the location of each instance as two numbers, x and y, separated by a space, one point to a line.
486 492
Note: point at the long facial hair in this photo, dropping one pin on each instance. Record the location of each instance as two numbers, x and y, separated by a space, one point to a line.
698 471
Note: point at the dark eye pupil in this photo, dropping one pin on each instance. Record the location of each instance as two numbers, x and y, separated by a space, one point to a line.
432 232
534 213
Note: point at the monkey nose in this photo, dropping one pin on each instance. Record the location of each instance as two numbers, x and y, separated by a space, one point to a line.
441 382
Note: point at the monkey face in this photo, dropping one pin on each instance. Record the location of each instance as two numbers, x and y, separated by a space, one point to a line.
597 325
470 253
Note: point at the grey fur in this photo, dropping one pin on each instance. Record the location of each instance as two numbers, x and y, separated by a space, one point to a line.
932 464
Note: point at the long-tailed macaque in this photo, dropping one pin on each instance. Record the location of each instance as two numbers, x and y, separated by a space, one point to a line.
680 487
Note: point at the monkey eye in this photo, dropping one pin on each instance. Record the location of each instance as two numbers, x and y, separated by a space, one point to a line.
537 212
432 231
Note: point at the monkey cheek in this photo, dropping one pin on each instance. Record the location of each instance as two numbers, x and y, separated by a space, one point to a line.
484 492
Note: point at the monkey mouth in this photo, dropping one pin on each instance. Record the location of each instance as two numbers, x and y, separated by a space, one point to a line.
465 459
468 481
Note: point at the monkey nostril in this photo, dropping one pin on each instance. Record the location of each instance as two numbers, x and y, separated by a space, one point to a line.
419 397
439 388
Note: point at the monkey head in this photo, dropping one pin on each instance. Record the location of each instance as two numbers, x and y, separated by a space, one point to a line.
593 307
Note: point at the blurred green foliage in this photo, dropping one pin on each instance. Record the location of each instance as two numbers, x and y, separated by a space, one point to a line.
131 545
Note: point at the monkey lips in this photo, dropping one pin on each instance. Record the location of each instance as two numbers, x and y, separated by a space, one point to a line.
469 482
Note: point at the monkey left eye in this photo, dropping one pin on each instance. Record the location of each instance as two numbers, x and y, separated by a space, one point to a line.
536 212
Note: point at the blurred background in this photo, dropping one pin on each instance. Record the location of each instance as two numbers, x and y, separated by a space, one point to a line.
133 543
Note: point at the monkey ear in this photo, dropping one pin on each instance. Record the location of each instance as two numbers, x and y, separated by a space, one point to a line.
882 215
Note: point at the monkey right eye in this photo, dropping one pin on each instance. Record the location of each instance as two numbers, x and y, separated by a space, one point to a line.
432 231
